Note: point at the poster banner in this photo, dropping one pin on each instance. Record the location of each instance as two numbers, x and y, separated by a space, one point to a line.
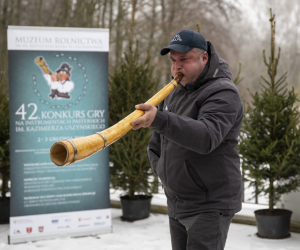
58 81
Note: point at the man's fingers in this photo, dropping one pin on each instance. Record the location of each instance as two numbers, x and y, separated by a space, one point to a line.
136 127
143 106
137 121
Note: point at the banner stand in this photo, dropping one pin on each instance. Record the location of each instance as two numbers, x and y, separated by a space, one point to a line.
58 82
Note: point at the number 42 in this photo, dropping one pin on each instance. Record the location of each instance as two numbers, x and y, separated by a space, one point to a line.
21 111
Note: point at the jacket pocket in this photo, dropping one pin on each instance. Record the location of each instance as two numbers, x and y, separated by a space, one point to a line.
195 177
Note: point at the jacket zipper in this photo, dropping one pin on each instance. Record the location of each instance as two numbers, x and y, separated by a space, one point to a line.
177 102
175 205
165 163
179 98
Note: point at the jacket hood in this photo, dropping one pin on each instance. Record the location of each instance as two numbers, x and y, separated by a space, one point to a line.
215 68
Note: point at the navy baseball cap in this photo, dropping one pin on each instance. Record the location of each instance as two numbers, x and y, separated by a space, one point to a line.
184 41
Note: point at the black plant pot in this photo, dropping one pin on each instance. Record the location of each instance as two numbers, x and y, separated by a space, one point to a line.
137 208
273 225
4 212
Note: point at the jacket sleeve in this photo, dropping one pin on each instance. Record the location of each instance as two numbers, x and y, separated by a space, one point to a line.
153 148
216 116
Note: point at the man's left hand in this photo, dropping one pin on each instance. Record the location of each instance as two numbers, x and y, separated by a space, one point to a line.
147 119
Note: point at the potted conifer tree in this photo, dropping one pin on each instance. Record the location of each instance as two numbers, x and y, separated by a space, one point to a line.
270 145
131 84
4 153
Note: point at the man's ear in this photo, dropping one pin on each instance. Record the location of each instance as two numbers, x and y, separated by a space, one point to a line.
205 57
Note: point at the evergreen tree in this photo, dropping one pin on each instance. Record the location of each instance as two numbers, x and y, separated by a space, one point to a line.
131 84
270 135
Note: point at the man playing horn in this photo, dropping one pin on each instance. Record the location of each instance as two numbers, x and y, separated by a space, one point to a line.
192 148
60 83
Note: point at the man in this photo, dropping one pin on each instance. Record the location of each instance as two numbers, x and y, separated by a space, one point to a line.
60 83
192 148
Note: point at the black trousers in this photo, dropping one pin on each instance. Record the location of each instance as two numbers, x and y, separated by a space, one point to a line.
205 231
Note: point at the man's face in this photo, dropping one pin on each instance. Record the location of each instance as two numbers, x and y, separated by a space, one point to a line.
62 76
189 64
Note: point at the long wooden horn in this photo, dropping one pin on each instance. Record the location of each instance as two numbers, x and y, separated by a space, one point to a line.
69 151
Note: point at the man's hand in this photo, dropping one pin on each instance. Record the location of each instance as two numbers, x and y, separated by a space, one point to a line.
147 119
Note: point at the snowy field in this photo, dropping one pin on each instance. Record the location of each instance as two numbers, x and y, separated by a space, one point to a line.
151 233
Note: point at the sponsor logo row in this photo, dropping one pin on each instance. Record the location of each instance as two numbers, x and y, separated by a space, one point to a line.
56 221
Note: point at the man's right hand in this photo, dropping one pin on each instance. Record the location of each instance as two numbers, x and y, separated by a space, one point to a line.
147 119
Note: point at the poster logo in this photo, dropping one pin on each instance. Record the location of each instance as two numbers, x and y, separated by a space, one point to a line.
60 84
29 230
16 231
62 93
54 221
41 229
80 219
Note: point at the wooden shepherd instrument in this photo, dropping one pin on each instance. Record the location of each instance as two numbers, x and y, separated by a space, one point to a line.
66 152
41 62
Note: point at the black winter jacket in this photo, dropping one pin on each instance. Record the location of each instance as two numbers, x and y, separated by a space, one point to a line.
192 148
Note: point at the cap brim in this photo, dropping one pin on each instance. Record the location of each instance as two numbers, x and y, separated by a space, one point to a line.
177 47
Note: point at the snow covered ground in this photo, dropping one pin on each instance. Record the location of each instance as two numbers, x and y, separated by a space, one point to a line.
151 233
